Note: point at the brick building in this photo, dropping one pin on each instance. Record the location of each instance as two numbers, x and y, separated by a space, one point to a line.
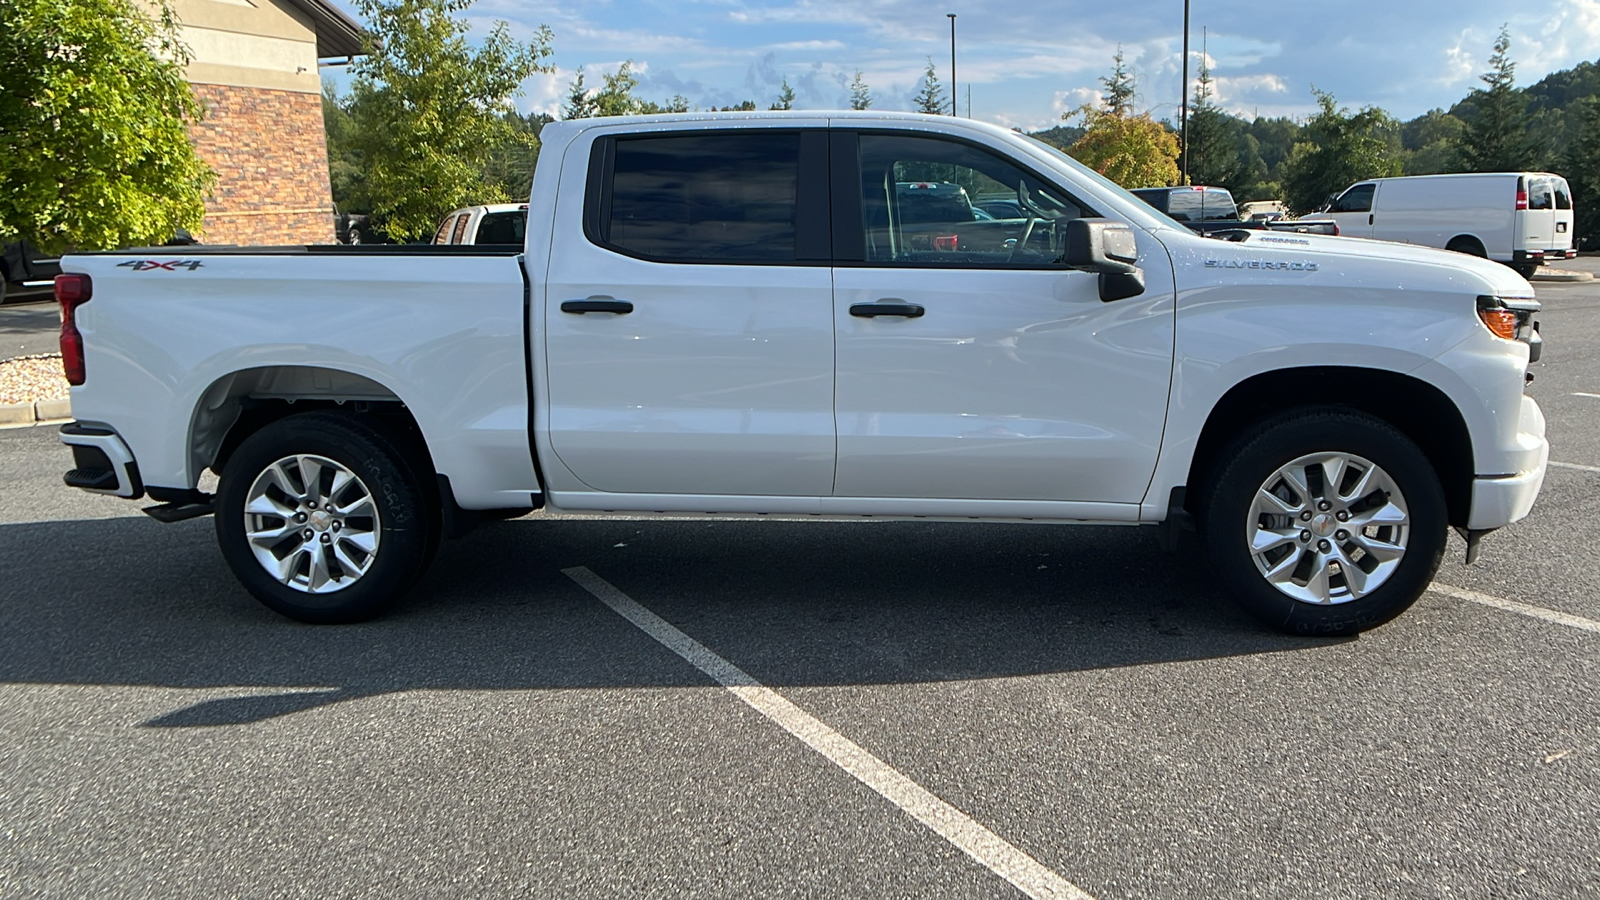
254 68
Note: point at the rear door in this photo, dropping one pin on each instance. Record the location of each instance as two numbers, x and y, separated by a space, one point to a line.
971 364
688 325
1561 242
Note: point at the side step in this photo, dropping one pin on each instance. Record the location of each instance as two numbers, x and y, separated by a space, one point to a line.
181 504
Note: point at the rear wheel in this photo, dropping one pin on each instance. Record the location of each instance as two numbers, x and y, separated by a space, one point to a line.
1325 521
1526 270
1467 245
323 519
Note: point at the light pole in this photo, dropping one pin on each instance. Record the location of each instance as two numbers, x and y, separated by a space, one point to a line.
1183 119
952 62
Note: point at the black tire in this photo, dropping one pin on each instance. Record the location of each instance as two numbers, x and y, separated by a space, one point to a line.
1469 246
404 524
1257 456
1525 270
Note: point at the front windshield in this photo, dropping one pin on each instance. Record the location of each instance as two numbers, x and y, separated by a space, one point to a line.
1132 207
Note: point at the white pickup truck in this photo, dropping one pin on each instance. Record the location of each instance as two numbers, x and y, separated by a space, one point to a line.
740 314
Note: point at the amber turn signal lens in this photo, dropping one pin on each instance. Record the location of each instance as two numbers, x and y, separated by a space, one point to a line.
1503 322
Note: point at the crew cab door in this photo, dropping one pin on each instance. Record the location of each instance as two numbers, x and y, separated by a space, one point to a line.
971 365
688 324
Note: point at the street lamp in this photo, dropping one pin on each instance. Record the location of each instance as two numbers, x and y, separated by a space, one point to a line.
952 17
1183 120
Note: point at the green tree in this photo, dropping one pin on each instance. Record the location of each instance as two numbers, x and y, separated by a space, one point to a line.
1582 164
1496 136
578 105
1430 142
1336 149
94 109
346 174
1214 142
1133 151
860 95
930 94
1121 88
785 96
429 109
615 97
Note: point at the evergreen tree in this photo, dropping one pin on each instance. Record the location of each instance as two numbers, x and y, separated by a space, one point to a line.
578 105
1120 88
860 96
1582 164
1214 157
1496 136
930 95
785 96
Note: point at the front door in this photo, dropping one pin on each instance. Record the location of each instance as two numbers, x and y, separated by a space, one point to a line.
688 328
1353 211
971 365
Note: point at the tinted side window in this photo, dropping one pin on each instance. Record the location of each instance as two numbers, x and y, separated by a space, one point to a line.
1357 199
1563 194
460 229
705 197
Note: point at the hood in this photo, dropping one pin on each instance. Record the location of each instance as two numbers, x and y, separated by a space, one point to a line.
1498 280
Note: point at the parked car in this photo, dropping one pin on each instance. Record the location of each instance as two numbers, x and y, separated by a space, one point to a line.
707 316
25 273
1523 219
494 223
1211 211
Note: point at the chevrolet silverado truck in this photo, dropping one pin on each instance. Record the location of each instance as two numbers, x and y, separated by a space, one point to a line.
730 315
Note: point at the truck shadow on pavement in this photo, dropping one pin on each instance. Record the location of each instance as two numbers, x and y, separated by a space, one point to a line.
128 602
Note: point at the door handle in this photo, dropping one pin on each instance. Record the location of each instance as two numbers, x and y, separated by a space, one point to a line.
597 304
887 308
1371 218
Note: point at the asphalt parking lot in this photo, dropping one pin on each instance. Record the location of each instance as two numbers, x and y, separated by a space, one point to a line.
627 707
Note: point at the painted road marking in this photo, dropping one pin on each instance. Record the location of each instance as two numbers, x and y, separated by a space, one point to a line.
1024 872
1585 394
1562 465
1523 609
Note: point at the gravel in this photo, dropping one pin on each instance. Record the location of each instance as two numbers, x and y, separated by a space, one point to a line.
29 379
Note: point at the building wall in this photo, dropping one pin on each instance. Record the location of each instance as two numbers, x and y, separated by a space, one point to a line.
254 68
271 158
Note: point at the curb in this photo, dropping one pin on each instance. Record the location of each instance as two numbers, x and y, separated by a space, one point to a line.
40 413
1562 276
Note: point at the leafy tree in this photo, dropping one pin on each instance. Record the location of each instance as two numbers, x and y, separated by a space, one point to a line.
1496 136
429 109
346 173
1120 87
94 151
1060 136
1133 151
746 106
930 95
785 96
1430 142
510 164
860 95
1336 149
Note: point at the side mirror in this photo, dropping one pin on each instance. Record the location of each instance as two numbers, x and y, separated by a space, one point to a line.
1110 249
1101 245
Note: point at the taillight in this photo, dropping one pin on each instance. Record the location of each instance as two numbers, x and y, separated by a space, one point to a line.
946 242
72 291
1522 199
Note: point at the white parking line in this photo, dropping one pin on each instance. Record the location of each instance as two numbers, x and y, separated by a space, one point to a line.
1024 872
1522 609
1562 465
1585 394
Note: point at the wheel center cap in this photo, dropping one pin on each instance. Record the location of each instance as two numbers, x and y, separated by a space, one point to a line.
1323 525
320 520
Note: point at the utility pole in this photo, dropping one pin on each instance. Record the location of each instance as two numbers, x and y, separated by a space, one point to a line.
953 94
1183 120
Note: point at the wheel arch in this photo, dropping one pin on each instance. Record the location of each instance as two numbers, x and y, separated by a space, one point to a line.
1420 411
1468 238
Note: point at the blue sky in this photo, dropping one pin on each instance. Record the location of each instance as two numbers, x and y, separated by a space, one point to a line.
1025 63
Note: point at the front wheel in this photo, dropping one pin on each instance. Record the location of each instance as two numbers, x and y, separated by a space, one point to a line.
322 518
1325 521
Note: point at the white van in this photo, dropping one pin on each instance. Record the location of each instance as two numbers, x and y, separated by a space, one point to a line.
1523 219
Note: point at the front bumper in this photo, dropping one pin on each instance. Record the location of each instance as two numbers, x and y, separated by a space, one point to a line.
102 462
1499 500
